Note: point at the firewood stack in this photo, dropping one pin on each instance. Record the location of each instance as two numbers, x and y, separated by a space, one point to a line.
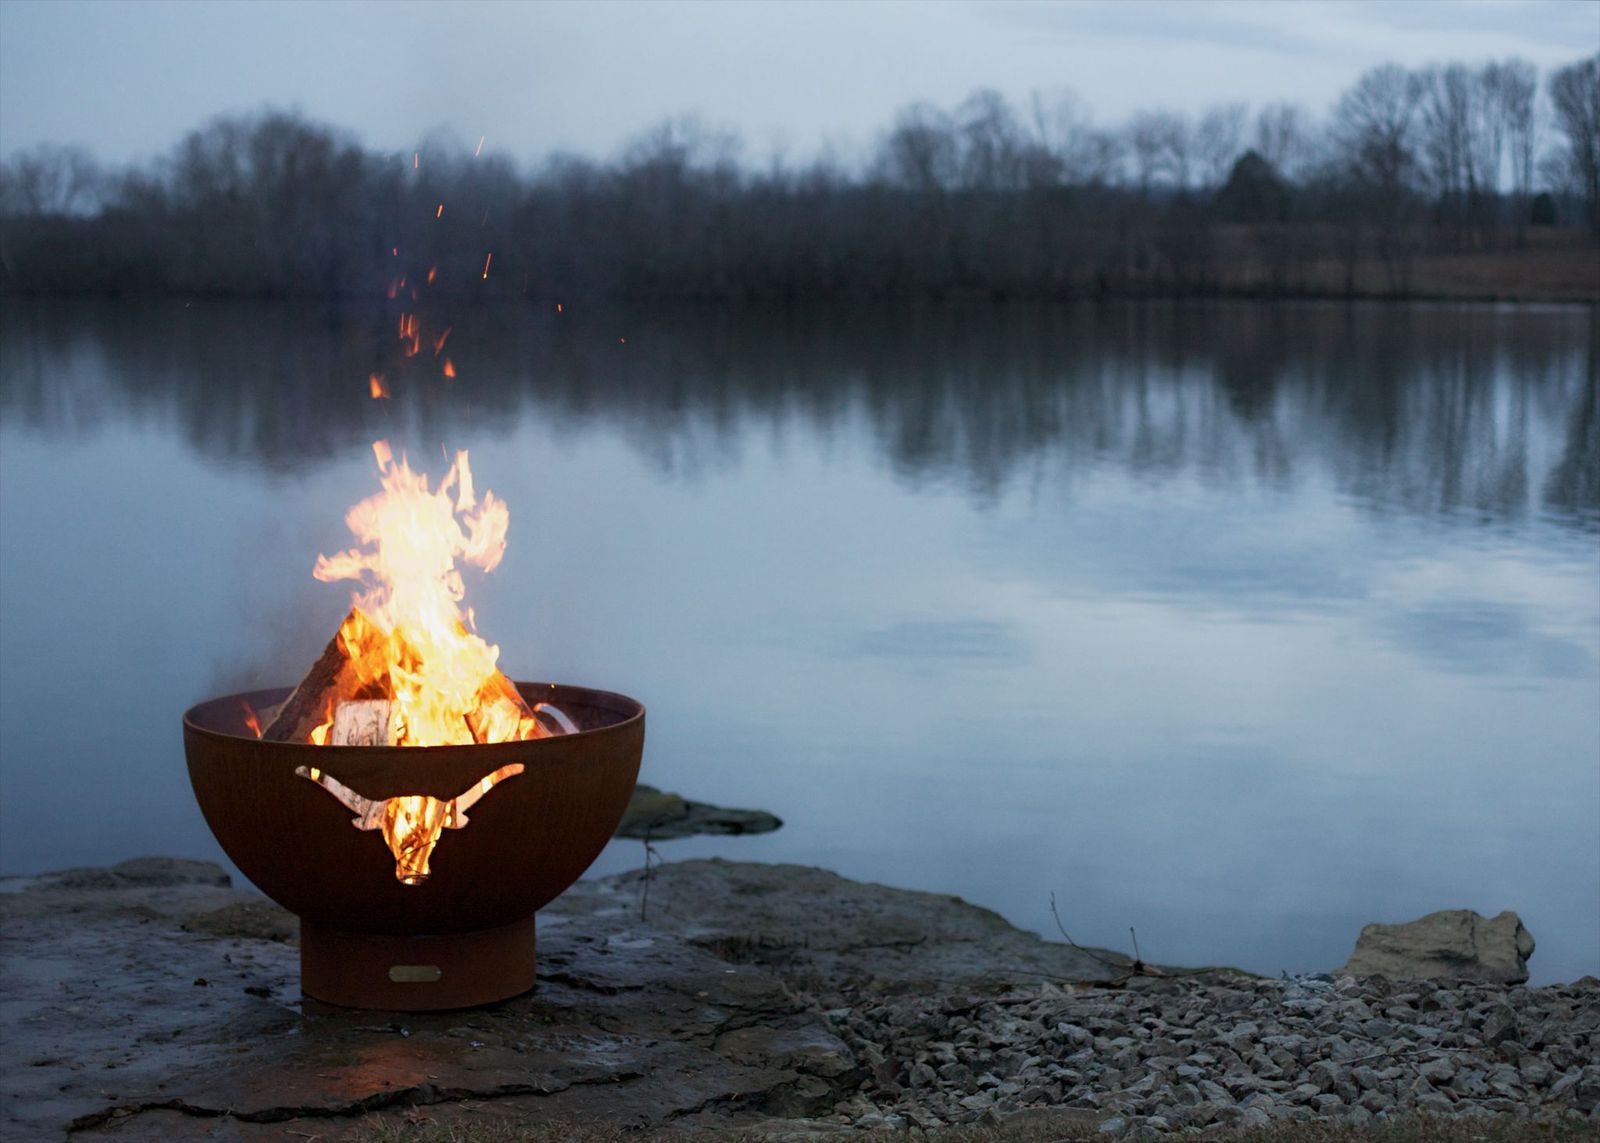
363 711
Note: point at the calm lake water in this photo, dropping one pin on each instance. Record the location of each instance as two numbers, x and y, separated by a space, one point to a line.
1240 624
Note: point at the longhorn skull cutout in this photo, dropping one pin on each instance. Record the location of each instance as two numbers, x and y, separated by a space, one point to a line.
411 823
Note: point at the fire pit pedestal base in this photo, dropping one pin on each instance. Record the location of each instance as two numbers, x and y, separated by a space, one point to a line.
416 973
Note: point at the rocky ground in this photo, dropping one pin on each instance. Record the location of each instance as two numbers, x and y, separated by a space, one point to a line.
152 1000
1162 1055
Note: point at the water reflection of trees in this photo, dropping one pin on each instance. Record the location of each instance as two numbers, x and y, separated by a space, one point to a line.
1421 408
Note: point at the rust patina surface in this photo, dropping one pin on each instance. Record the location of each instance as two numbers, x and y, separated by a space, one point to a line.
465 934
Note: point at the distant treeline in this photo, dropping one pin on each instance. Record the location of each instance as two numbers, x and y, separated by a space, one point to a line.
1456 166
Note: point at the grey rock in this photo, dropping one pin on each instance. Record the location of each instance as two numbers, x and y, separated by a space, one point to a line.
821 929
1579 1087
1500 1025
660 816
1435 1103
138 872
1535 1072
1437 1072
805 1048
1377 1102
754 992
1116 1125
134 1005
1456 944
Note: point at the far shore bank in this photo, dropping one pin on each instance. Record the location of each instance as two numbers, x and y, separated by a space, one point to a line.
1551 268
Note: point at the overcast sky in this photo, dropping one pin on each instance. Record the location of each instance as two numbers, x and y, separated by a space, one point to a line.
127 78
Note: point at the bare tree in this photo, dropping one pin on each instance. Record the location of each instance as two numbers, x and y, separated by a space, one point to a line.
1160 145
1063 128
682 142
1375 130
1283 138
1374 123
921 151
1463 142
993 147
1575 95
1217 141
50 180
1517 88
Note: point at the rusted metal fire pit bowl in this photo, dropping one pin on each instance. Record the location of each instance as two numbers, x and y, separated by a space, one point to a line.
463 936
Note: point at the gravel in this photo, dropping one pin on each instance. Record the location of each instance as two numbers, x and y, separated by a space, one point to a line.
1173 1055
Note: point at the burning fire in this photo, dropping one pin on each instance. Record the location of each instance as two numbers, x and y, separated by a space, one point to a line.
404 668
406 639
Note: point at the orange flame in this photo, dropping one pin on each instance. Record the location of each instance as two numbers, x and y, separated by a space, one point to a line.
487 259
406 634
376 386
449 369
440 212
433 272
251 720
438 342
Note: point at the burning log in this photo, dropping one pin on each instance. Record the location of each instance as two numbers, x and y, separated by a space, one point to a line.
503 715
332 678
345 700
367 722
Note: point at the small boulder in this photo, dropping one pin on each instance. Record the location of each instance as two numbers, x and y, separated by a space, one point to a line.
1457 944
653 815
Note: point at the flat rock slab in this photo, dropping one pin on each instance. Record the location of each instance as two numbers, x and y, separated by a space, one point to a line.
819 931
655 815
153 1001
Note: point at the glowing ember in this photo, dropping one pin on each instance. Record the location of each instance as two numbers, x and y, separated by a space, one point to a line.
376 386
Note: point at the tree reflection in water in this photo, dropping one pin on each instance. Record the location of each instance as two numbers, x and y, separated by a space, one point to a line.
1485 411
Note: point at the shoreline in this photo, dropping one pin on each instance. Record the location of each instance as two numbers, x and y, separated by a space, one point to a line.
153 999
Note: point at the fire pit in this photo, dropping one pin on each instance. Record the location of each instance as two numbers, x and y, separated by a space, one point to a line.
374 933
474 800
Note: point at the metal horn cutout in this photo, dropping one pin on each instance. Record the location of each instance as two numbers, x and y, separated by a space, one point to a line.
411 823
